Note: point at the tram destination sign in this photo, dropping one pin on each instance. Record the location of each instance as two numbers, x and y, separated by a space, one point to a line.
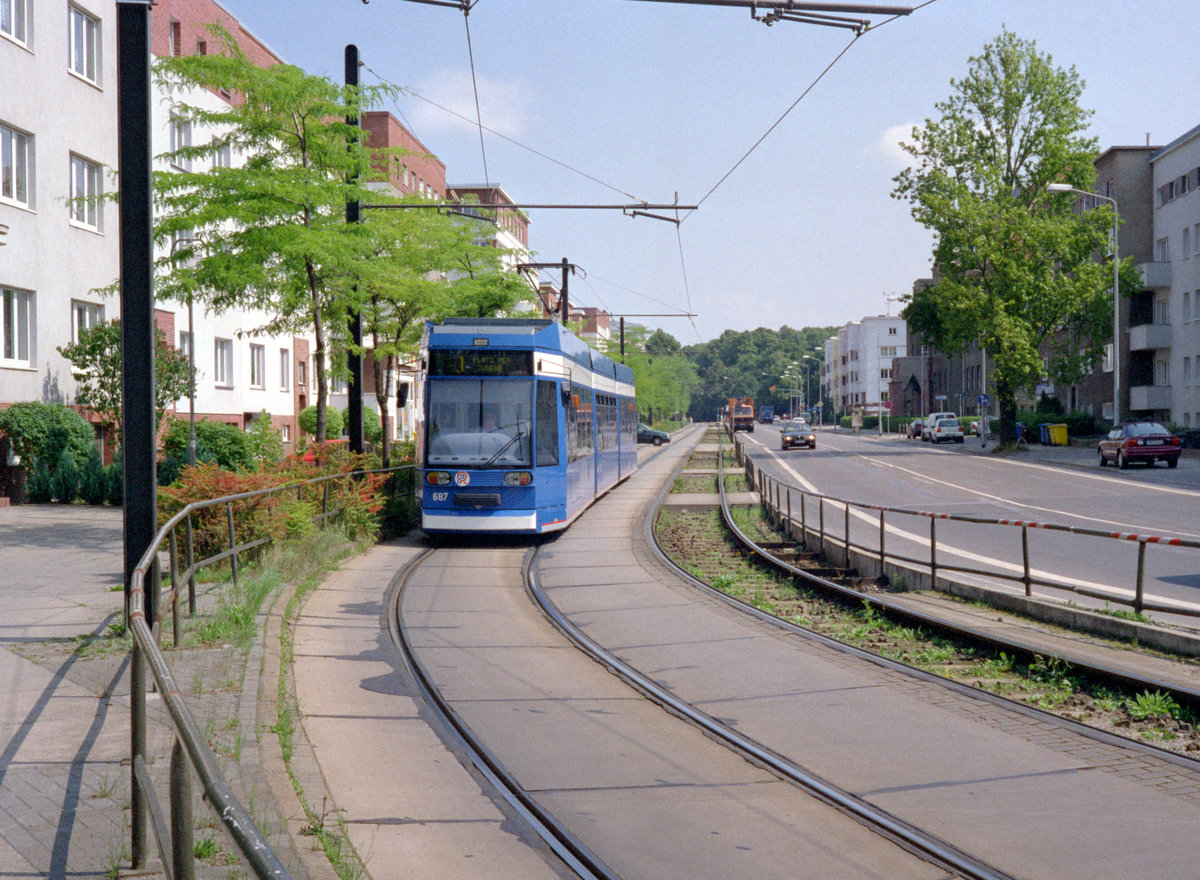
479 362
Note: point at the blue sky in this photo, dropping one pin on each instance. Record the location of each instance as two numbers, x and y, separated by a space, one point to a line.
653 99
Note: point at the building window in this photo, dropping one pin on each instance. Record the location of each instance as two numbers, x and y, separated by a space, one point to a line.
285 433
1106 363
1186 249
1162 372
180 138
1187 371
1162 251
84 44
337 385
1187 306
14 20
84 316
887 351
891 331
222 156
86 189
1196 238
258 366
176 47
285 368
185 344
16 155
301 373
1162 310
17 325
223 362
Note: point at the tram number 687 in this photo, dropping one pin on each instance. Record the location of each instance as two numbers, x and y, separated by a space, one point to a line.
440 496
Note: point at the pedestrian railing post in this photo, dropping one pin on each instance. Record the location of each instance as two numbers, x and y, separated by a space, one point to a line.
847 531
1025 560
821 515
933 553
137 747
882 550
191 565
233 562
1138 596
803 523
183 835
176 593
789 514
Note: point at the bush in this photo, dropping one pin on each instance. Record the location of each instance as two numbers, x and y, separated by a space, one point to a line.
64 483
227 446
93 488
265 443
29 425
114 477
39 488
372 425
333 421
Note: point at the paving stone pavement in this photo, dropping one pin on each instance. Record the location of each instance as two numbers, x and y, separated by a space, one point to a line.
64 713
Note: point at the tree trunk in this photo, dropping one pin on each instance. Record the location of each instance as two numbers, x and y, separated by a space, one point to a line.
383 394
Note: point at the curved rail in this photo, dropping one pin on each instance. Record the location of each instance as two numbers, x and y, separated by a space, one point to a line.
565 845
915 616
777 495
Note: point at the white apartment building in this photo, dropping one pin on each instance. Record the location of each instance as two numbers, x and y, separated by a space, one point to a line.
1165 351
859 364
58 139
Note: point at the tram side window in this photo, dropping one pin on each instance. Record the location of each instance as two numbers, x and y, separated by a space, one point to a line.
547 423
579 425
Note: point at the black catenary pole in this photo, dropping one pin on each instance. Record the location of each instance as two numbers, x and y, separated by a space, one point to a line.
354 360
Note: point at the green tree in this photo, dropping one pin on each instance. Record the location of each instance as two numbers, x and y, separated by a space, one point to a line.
269 233
96 365
32 426
1014 266
664 380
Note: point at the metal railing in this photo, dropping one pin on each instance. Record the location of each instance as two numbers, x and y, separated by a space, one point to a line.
777 496
190 752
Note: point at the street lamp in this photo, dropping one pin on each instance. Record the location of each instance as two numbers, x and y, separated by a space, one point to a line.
809 357
1116 355
175 243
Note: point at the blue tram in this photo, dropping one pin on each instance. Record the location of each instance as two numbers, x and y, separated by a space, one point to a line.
525 426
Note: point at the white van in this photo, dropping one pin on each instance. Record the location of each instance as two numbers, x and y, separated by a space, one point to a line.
930 420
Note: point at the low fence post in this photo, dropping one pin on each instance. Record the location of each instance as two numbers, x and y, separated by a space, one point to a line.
183 843
1141 575
191 566
137 747
232 542
933 552
882 551
789 514
1025 560
847 528
821 514
176 596
803 523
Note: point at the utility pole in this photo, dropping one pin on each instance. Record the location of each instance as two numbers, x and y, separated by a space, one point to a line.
354 409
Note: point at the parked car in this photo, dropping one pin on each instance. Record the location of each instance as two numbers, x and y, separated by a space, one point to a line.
930 420
797 432
946 430
914 429
646 434
993 424
1139 441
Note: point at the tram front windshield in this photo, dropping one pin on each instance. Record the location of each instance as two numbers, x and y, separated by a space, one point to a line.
480 422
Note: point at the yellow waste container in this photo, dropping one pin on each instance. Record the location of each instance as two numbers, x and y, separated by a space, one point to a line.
1058 435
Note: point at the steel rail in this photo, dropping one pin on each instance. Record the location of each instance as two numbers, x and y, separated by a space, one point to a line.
562 842
1027 649
916 840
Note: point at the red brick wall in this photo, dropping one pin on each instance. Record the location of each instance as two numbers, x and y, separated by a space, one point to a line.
385 131
190 18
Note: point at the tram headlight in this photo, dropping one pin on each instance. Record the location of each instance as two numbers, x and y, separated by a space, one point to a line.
518 478
437 478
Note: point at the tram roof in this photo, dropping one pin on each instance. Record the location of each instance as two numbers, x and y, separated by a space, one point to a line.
538 333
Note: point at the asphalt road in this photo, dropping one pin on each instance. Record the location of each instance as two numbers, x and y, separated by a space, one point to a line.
1062 485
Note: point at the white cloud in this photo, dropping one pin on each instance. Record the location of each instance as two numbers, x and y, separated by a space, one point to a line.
502 104
888 145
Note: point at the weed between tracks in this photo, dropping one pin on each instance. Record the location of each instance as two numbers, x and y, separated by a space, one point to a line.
702 545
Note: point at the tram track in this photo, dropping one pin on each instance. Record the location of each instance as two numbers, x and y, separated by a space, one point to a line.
934 849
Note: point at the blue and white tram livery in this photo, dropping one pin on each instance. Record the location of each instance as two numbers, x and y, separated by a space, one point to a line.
525 426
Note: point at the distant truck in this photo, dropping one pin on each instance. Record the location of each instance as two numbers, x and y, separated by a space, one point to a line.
766 414
741 414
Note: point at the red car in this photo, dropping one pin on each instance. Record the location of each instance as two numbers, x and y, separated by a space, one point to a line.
1139 441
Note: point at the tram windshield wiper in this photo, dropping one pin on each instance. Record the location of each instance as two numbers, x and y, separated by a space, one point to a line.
503 449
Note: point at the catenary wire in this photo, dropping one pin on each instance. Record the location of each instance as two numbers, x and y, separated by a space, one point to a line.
475 88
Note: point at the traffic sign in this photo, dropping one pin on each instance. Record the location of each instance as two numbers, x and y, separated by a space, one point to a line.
984 400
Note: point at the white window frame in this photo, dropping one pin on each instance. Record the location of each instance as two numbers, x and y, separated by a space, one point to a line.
85 316
223 362
15 20
18 328
1162 250
1186 379
16 166
258 366
1187 307
1186 247
87 186
185 343
1162 372
179 135
222 155
285 433
83 44
1106 363
285 370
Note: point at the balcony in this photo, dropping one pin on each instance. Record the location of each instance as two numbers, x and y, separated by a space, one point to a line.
1155 276
1149 397
1143 337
